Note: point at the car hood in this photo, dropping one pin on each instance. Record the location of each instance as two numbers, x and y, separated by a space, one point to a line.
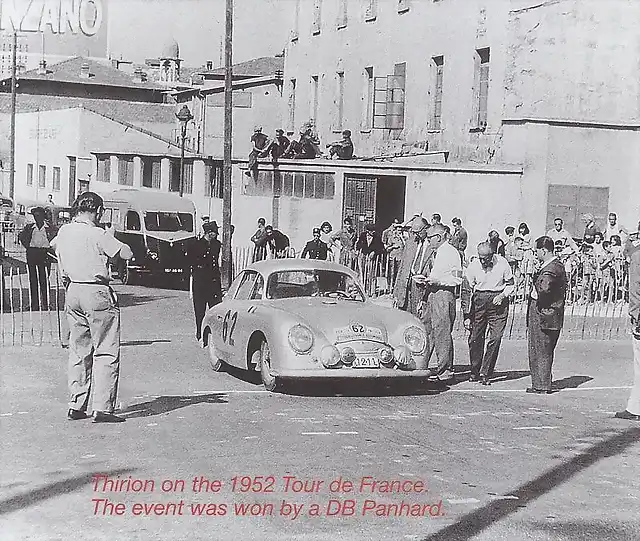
332 316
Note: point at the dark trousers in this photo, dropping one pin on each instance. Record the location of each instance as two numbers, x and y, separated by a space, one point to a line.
38 266
542 344
207 292
487 323
438 316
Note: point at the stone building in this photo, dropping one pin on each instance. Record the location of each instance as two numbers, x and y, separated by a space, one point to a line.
547 88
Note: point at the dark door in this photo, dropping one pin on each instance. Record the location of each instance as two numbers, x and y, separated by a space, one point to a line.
570 202
72 180
359 200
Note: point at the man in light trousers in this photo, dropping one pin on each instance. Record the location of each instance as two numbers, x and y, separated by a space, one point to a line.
83 250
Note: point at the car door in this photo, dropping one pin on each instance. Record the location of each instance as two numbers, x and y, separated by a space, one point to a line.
235 319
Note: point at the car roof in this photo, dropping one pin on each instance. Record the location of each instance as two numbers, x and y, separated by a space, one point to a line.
292 263
150 200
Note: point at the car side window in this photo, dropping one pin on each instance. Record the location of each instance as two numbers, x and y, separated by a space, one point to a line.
246 287
258 287
132 221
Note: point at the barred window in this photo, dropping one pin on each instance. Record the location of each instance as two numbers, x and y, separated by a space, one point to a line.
104 169
300 185
213 181
151 172
125 170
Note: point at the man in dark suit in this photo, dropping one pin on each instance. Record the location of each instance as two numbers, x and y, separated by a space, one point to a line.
407 294
315 249
545 314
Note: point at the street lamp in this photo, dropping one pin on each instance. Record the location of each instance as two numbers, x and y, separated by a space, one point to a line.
184 116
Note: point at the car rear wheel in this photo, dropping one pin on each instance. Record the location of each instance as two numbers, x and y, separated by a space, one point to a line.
217 364
129 277
269 381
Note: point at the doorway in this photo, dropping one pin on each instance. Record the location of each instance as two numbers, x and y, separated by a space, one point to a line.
373 199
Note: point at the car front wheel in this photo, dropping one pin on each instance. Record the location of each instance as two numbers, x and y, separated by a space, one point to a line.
217 365
269 381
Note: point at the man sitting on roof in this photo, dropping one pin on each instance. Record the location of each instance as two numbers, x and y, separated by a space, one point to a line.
343 149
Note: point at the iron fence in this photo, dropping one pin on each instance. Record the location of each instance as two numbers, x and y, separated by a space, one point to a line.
596 309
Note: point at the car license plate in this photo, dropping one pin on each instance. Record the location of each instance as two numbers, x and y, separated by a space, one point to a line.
366 362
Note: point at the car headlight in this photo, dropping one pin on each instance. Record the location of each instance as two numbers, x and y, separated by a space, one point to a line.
348 356
415 339
300 338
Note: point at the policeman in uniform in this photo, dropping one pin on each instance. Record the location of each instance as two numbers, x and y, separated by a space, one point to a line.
204 257
315 249
83 250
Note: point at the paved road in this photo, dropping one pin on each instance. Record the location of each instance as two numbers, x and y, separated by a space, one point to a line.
496 463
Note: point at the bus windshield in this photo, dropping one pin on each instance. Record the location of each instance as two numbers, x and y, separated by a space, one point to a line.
168 221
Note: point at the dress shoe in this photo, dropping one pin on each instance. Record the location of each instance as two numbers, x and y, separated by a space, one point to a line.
627 415
485 380
431 373
539 391
104 417
76 415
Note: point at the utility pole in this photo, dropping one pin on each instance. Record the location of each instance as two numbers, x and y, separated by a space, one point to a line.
228 118
12 135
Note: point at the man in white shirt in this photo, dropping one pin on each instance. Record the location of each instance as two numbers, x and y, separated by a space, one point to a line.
490 280
35 238
614 228
560 233
438 309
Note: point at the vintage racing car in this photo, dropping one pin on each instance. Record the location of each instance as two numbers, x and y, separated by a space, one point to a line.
305 318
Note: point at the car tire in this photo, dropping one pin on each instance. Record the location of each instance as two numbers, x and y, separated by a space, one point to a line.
216 364
269 381
129 277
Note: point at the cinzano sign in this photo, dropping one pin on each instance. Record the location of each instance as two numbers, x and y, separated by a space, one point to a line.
56 16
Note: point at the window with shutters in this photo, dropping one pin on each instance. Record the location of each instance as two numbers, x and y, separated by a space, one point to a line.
317 17
339 100
371 10
104 169
56 179
299 185
213 181
341 21
481 89
367 99
389 94
437 65
151 168
42 176
29 174
315 90
125 170
292 105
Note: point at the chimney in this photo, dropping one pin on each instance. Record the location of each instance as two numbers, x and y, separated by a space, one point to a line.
42 67
209 64
85 71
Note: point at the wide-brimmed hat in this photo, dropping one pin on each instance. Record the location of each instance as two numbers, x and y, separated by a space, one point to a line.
210 227
36 210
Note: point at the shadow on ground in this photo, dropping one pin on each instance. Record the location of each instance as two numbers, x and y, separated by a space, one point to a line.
52 490
571 382
510 375
166 404
145 342
472 524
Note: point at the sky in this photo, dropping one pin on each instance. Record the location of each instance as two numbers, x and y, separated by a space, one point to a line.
140 29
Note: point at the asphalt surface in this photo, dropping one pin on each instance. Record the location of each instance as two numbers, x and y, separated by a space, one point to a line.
495 463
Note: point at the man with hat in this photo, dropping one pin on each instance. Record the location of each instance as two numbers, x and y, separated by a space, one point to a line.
83 250
315 248
35 237
342 149
407 293
204 256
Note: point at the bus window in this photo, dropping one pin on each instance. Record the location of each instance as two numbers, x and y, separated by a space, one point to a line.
132 222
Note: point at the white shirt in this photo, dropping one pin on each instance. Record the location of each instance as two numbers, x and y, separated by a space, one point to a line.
534 292
614 230
447 267
494 279
39 237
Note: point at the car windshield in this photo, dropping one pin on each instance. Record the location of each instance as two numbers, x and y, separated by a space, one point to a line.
313 283
168 221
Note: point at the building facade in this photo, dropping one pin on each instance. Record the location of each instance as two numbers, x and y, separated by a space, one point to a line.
548 87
